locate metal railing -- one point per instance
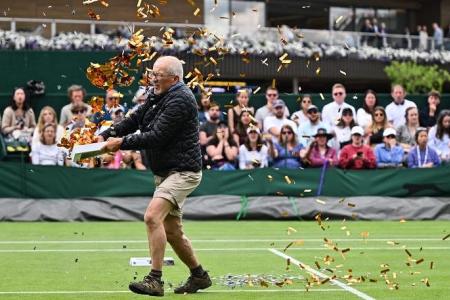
(348, 39)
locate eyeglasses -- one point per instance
(338, 94)
(287, 132)
(379, 115)
(76, 112)
(279, 107)
(272, 95)
(160, 75)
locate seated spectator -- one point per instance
(422, 155)
(132, 159)
(319, 153)
(342, 131)
(374, 132)
(357, 155)
(307, 129)
(267, 110)
(407, 132)
(112, 101)
(79, 119)
(286, 152)
(76, 95)
(253, 153)
(364, 114)
(45, 151)
(222, 150)
(332, 112)
(273, 124)
(46, 116)
(301, 116)
(395, 111)
(246, 120)
(243, 98)
(428, 115)
(112, 161)
(389, 154)
(439, 136)
(140, 97)
(208, 128)
(18, 121)
(203, 109)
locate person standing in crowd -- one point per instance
(222, 150)
(169, 131)
(374, 132)
(395, 110)
(203, 108)
(367, 28)
(245, 121)
(18, 121)
(423, 39)
(319, 152)
(243, 98)
(438, 37)
(332, 111)
(364, 114)
(76, 95)
(267, 110)
(253, 153)
(273, 124)
(383, 35)
(307, 129)
(407, 132)
(286, 153)
(357, 155)
(45, 151)
(47, 116)
(342, 131)
(439, 136)
(422, 155)
(301, 116)
(389, 154)
(428, 115)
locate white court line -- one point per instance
(279, 290)
(321, 275)
(218, 241)
(215, 249)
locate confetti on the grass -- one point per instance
(402, 221)
(365, 234)
(419, 261)
(431, 265)
(320, 201)
(407, 252)
(290, 230)
(446, 237)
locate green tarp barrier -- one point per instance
(29, 181)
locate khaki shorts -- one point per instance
(176, 187)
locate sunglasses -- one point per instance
(75, 112)
(338, 94)
(347, 114)
(391, 136)
(379, 115)
(279, 107)
(287, 132)
(313, 111)
(272, 95)
(253, 132)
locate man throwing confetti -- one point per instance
(168, 124)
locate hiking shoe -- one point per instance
(148, 286)
(193, 284)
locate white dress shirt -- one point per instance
(396, 112)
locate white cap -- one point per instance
(389, 131)
(357, 130)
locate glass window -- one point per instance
(395, 19)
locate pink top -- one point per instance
(115, 164)
(317, 159)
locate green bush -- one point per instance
(417, 78)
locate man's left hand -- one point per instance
(113, 144)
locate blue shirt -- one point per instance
(388, 157)
(413, 157)
(286, 159)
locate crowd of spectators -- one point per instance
(242, 137)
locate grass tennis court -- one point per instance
(91, 260)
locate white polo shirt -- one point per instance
(332, 112)
(396, 112)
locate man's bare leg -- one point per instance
(179, 242)
(154, 217)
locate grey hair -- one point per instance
(173, 66)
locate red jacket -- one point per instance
(349, 158)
